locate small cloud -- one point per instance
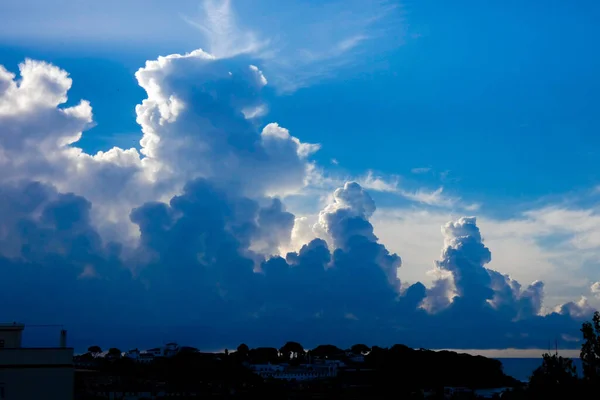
(595, 288)
(420, 170)
(255, 112)
(350, 43)
(445, 177)
(435, 198)
(570, 338)
(472, 207)
(378, 183)
(88, 272)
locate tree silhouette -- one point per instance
(326, 350)
(360, 349)
(292, 350)
(113, 352)
(555, 370)
(590, 349)
(264, 355)
(94, 350)
(556, 376)
(243, 350)
(187, 350)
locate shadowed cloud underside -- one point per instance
(190, 235)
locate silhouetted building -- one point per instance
(34, 373)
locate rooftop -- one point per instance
(12, 326)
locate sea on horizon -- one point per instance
(522, 368)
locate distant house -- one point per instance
(114, 390)
(265, 369)
(145, 357)
(303, 372)
(156, 352)
(128, 394)
(85, 361)
(356, 358)
(132, 354)
(308, 372)
(337, 363)
(491, 393)
(149, 355)
(452, 392)
(170, 349)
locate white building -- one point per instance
(303, 372)
(129, 395)
(357, 358)
(491, 393)
(156, 352)
(168, 350)
(34, 373)
(266, 370)
(450, 392)
(132, 354)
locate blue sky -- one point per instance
(501, 96)
(439, 109)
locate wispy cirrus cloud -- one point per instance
(437, 198)
(378, 183)
(312, 42)
(297, 43)
(224, 35)
(323, 181)
(420, 170)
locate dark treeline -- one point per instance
(398, 369)
(367, 373)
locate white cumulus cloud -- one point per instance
(199, 217)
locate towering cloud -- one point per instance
(472, 285)
(189, 235)
(202, 110)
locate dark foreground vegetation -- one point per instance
(398, 370)
(360, 372)
(557, 377)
